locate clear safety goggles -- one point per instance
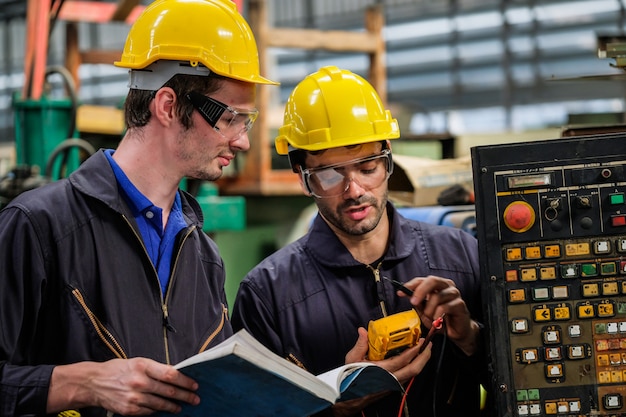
(334, 180)
(229, 122)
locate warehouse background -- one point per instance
(459, 66)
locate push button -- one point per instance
(618, 220)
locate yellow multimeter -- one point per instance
(390, 335)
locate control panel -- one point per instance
(551, 226)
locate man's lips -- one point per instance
(358, 213)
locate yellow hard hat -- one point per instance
(188, 33)
(331, 108)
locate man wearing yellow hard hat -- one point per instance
(106, 277)
(312, 300)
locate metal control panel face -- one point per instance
(551, 218)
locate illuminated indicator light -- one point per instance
(519, 216)
(617, 198)
(618, 221)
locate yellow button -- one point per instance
(548, 272)
(591, 290)
(585, 311)
(605, 310)
(533, 252)
(576, 249)
(602, 360)
(517, 295)
(562, 313)
(616, 376)
(551, 408)
(604, 377)
(552, 251)
(513, 254)
(542, 314)
(529, 274)
(610, 288)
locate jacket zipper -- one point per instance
(165, 315)
(217, 330)
(102, 331)
(376, 272)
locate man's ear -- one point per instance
(164, 103)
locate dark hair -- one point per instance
(137, 103)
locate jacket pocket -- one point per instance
(103, 333)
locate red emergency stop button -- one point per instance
(519, 216)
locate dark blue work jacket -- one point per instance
(306, 301)
(76, 284)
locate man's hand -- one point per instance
(432, 298)
(137, 386)
(404, 366)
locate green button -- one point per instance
(600, 328)
(533, 394)
(617, 198)
(589, 270)
(522, 395)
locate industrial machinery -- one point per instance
(552, 239)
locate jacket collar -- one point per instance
(324, 245)
(95, 178)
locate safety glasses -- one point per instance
(334, 180)
(227, 121)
